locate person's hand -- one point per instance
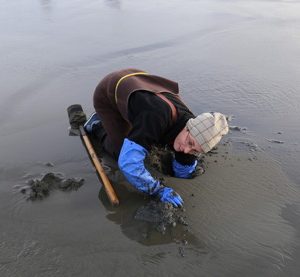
(184, 171)
(168, 195)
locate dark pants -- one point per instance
(101, 142)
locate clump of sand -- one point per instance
(40, 188)
(161, 214)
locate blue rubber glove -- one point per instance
(183, 171)
(131, 163)
(169, 195)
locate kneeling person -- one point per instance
(139, 110)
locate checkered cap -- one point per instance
(208, 129)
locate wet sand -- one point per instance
(234, 213)
(240, 58)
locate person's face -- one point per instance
(185, 142)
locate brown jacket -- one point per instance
(111, 99)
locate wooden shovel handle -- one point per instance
(107, 185)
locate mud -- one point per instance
(49, 164)
(160, 158)
(238, 128)
(275, 141)
(38, 189)
(163, 215)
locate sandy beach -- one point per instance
(241, 58)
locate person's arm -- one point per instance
(131, 163)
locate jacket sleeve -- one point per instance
(131, 163)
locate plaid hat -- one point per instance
(208, 129)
